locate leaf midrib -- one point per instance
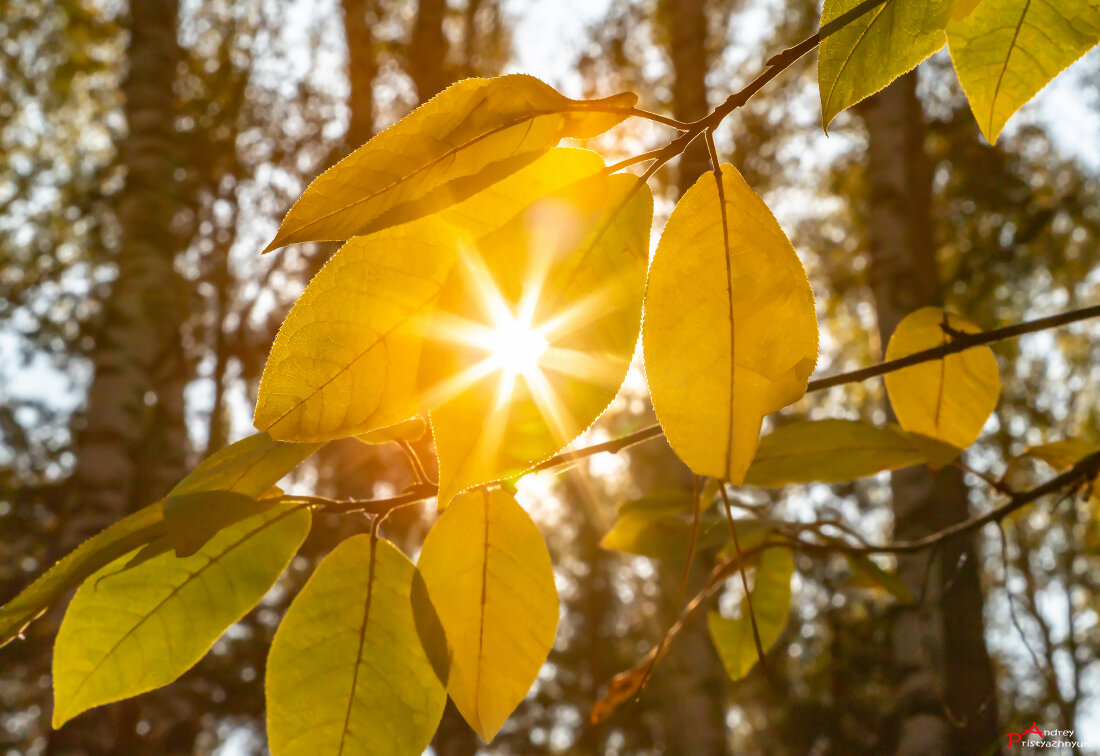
(1004, 68)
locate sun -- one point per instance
(514, 346)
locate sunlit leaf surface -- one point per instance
(1005, 51)
(535, 331)
(346, 673)
(489, 577)
(470, 135)
(248, 467)
(130, 630)
(730, 332)
(826, 451)
(867, 54)
(945, 400)
(771, 603)
(345, 360)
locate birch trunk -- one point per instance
(945, 696)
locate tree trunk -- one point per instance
(946, 701)
(428, 50)
(687, 20)
(140, 332)
(359, 18)
(130, 440)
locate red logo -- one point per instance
(1018, 737)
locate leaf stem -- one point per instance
(744, 579)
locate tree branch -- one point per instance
(565, 459)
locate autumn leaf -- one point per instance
(470, 135)
(868, 53)
(829, 451)
(488, 575)
(129, 630)
(535, 331)
(1005, 51)
(730, 333)
(946, 400)
(248, 468)
(771, 604)
(345, 360)
(1063, 454)
(659, 526)
(346, 673)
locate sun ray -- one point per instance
(599, 370)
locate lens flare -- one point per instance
(515, 346)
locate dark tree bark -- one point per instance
(687, 30)
(139, 339)
(428, 50)
(946, 696)
(360, 16)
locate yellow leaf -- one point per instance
(828, 451)
(1064, 454)
(945, 400)
(488, 575)
(867, 574)
(247, 467)
(1005, 51)
(536, 329)
(130, 629)
(464, 139)
(730, 333)
(870, 52)
(771, 604)
(345, 360)
(346, 673)
(963, 8)
(659, 526)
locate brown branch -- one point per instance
(615, 445)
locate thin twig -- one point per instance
(692, 543)
(568, 458)
(744, 579)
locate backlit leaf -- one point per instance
(945, 400)
(1005, 51)
(1064, 454)
(535, 330)
(345, 360)
(467, 137)
(828, 451)
(128, 631)
(489, 577)
(867, 574)
(114, 542)
(248, 467)
(346, 673)
(730, 332)
(771, 603)
(659, 526)
(870, 52)
(963, 8)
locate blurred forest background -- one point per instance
(147, 152)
